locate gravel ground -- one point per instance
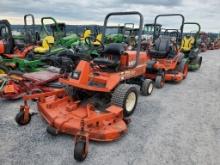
(177, 125)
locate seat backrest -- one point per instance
(114, 49)
(87, 33)
(187, 43)
(47, 41)
(98, 39)
(162, 43)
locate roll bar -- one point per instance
(198, 31)
(140, 29)
(44, 26)
(170, 15)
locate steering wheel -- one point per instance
(89, 41)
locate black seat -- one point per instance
(162, 47)
(111, 56)
(20, 44)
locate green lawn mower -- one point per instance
(190, 48)
(118, 34)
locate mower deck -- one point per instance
(17, 86)
(71, 117)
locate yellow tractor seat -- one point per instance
(99, 38)
(47, 42)
(187, 43)
(87, 33)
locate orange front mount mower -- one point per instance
(166, 62)
(98, 97)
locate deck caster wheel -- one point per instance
(19, 118)
(159, 81)
(51, 130)
(147, 87)
(80, 152)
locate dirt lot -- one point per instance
(177, 125)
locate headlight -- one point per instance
(76, 74)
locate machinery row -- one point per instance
(88, 85)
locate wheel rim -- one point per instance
(150, 88)
(130, 101)
(2, 71)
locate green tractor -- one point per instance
(119, 34)
(54, 38)
(190, 48)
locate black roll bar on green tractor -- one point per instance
(44, 26)
(198, 30)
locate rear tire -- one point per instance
(197, 60)
(147, 87)
(125, 96)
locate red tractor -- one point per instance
(166, 62)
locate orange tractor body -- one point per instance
(98, 96)
(166, 62)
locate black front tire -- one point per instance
(147, 87)
(159, 81)
(121, 96)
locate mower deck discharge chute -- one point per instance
(167, 62)
(98, 97)
(190, 48)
